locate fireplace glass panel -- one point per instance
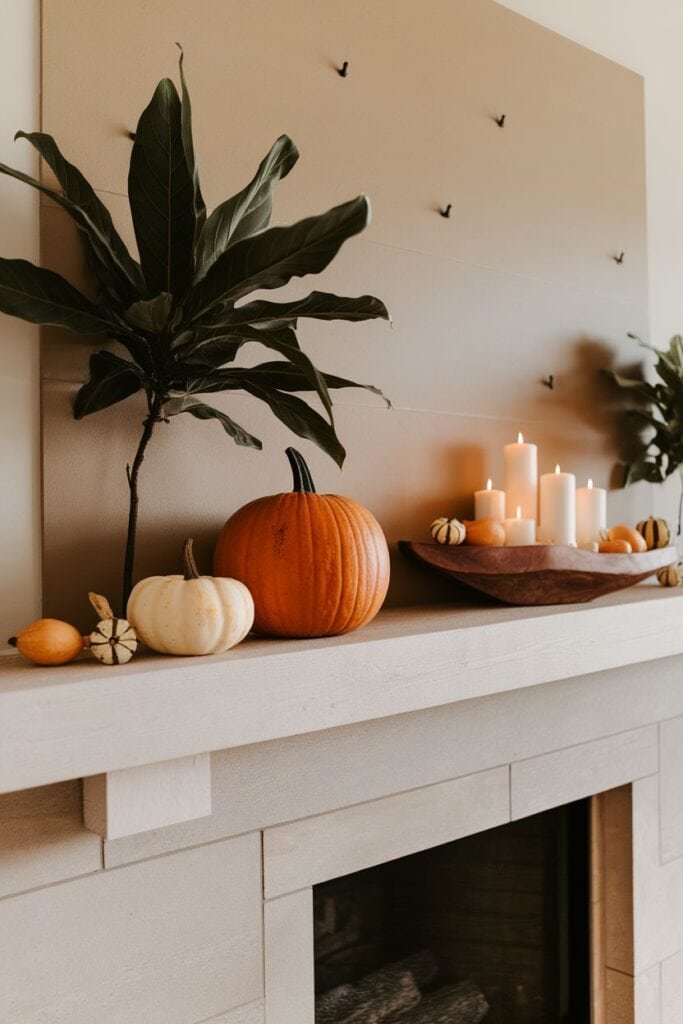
(499, 922)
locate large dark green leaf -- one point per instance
(43, 297)
(271, 258)
(176, 406)
(644, 470)
(284, 342)
(320, 305)
(112, 261)
(162, 195)
(151, 314)
(300, 418)
(247, 212)
(111, 380)
(286, 377)
(188, 146)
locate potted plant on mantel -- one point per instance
(174, 315)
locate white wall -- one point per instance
(644, 35)
(19, 356)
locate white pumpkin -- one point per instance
(190, 614)
(113, 641)
(448, 531)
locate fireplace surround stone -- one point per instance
(498, 714)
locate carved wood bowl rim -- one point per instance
(539, 574)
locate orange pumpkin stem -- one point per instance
(303, 481)
(191, 571)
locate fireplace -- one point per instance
(506, 926)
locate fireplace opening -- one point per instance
(493, 928)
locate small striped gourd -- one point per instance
(655, 532)
(448, 531)
(669, 577)
(113, 641)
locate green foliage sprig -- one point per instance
(175, 314)
(658, 408)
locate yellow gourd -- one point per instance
(48, 642)
(669, 577)
(190, 614)
(656, 532)
(488, 533)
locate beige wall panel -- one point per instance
(251, 1014)
(42, 839)
(289, 958)
(172, 941)
(672, 989)
(657, 887)
(266, 784)
(552, 195)
(671, 793)
(517, 285)
(306, 852)
(580, 771)
(648, 996)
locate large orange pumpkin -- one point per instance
(316, 564)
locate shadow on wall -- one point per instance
(591, 397)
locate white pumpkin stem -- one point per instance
(191, 571)
(101, 606)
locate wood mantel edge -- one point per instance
(85, 719)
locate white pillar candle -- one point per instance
(489, 504)
(521, 478)
(558, 507)
(519, 531)
(591, 513)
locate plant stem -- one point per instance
(133, 472)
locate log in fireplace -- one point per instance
(497, 927)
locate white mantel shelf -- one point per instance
(85, 719)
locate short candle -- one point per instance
(518, 531)
(591, 513)
(521, 478)
(558, 507)
(489, 503)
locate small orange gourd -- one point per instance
(488, 533)
(48, 642)
(631, 536)
(316, 564)
(615, 547)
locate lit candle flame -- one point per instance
(519, 512)
(520, 438)
(557, 468)
(489, 484)
(590, 485)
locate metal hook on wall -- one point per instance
(500, 121)
(549, 382)
(344, 69)
(447, 211)
(620, 258)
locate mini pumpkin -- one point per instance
(655, 532)
(48, 642)
(113, 641)
(448, 531)
(670, 576)
(615, 547)
(488, 532)
(316, 564)
(631, 536)
(190, 614)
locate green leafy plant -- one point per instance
(658, 409)
(176, 316)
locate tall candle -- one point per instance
(521, 478)
(489, 503)
(558, 507)
(591, 513)
(519, 531)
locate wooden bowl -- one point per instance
(539, 574)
